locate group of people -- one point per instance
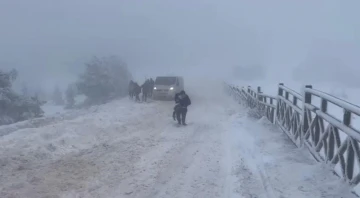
(182, 100)
(146, 89)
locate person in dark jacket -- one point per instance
(131, 89)
(145, 90)
(177, 106)
(137, 91)
(152, 85)
(184, 102)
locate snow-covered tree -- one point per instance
(41, 95)
(104, 79)
(7, 78)
(15, 107)
(119, 75)
(58, 96)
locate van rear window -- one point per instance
(165, 80)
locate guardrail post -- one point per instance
(323, 108)
(347, 118)
(324, 105)
(307, 100)
(258, 93)
(350, 151)
(248, 100)
(259, 98)
(280, 93)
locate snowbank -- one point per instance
(53, 115)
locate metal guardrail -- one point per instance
(311, 125)
(265, 104)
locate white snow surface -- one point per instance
(134, 150)
(51, 109)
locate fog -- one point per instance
(49, 41)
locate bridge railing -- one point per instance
(289, 113)
(331, 140)
(265, 104)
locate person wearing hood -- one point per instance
(184, 101)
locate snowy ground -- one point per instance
(349, 94)
(126, 149)
(50, 109)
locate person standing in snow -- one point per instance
(131, 89)
(177, 105)
(137, 91)
(184, 102)
(152, 85)
(145, 90)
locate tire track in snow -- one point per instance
(171, 176)
(199, 170)
(189, 161)
(247, 177)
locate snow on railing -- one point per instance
(329, 139)
(265, 104)
(289, 113)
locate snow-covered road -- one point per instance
(135, 151)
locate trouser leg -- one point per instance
(176, 108)
(178, 114)
(183, 115)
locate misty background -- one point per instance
(49, 41)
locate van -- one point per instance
(166, 87)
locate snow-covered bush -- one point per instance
(15, 107)
(104, 79)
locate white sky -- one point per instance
(52, 39)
